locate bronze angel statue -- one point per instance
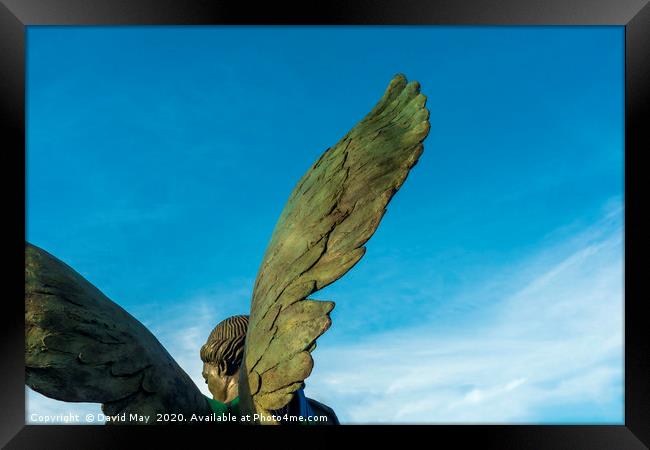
(82, 347)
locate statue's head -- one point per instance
(222, 355)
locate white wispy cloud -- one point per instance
(41, 410)
(549, 352)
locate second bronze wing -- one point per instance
(80, 346)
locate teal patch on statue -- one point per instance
(217, 407)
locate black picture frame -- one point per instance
(634, 15)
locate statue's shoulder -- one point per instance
(321, 409)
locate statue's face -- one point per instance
(222, 388)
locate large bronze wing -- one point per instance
(82, 347)
(320, 235)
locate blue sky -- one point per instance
(159, 158)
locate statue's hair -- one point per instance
(225, 345)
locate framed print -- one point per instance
(391, 218)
